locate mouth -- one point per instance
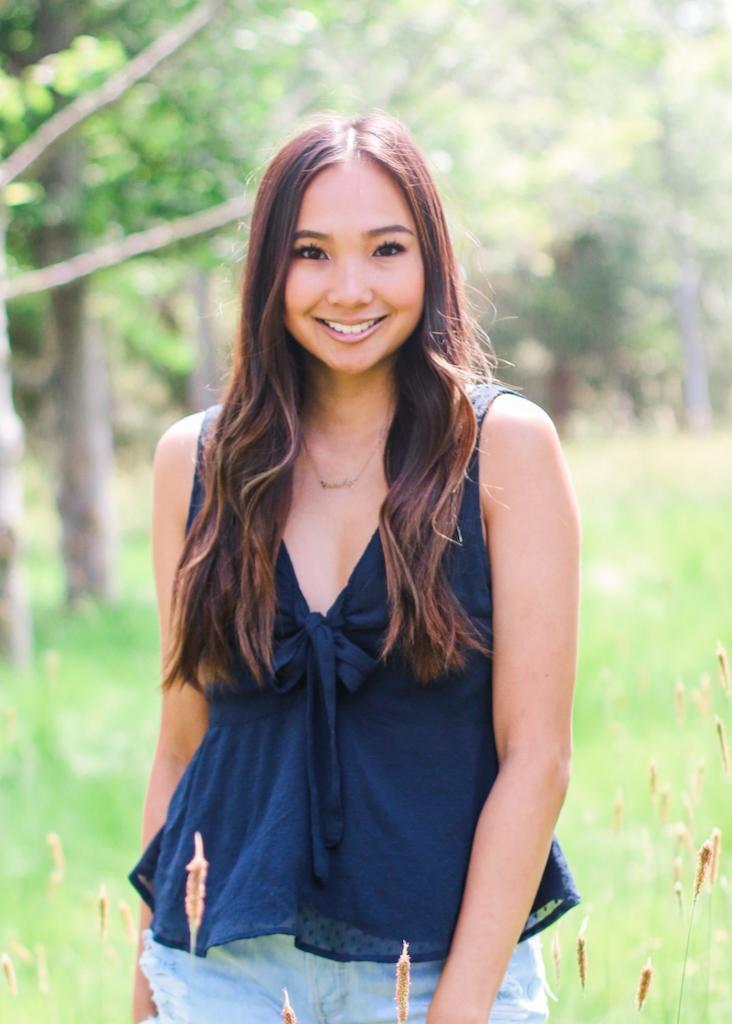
(351, 332)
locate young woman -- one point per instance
(368, 598)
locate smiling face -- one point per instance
(355, 259)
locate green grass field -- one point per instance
(77, 735)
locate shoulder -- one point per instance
(520, 457)
(174, 464)
(516, 420)
(177, 445)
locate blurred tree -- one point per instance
(84, 437)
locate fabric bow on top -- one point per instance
(316, 651)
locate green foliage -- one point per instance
(29, 98)
(84, 65)
(159, 342)
(544, 125)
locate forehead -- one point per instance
(355, 194)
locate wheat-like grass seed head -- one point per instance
(288, 1014)
(197, 869)
(111, 954)
(696, 779)
(582, 952)
(678, 867)
(716, 854)
(665, 801)
(57, 855)
(402, 983)
(127, 921)
(103, 904)
(653, 776)
(9, 972)
(556, 955)
(723, 747)
(679, 894)
(680, 702)
(21, 952)
(644, 983)
(703, 859)
(57, 851)
(724, 674)
(683, 836)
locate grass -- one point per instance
(77, 734)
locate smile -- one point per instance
(352, 331)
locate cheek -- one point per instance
(297, 294)
(291, 291)
(413, 285)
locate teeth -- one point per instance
(353, 328)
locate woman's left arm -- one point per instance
(533, 528)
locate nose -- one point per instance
(349, 285)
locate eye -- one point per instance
(392, 245)
(302, 249)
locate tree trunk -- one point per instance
(85, 449)
(81, 394)
(561, 383)
(697, 405)
(85, 438)
(15, 620)
(203, 383)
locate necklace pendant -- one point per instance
(345, 482)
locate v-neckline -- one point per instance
(375, 536)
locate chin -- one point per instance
(352, 366)
(355, 359)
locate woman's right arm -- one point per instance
(184, 711)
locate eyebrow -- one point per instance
(388, 229)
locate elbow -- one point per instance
(564, 772)
(551, 768)
(558, 767)
(555, 773)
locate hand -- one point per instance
(447, 1007)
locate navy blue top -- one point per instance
(339, 803)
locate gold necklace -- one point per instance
(347, 481)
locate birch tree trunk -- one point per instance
(83, 434)
(204, 381)
(15, 622)
(84, 455)
(697, 404)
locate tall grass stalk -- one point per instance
(197, 869)
(703, 860)
(103, 911)
(644, 984)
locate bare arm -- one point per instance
(184, 712)
(533, 527)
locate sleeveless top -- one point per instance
(339, 803)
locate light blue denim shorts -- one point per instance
(244, 981)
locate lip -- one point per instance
(352, 337)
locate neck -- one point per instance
(343, 412)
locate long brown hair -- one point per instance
(224, 592)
